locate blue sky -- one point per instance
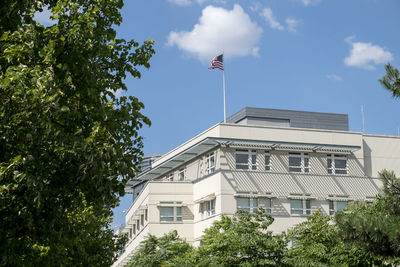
(312, 55)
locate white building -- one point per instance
(289, 162)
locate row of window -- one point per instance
(298, 162)
(209, 168)
(297, 206)
(173, 213)
(139, 224)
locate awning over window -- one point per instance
(339, 198)
(300, 197)
(171, 205)
(249, 195)
(210, 143)
(206, 198)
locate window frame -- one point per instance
(176, 216)
(267, 166)
(331, 168)
(251, 159)
(305, 207)
(333, 206)
(210, 168)
(170, 177)
(268, 205)
(251, 208)
(182, 174)
(304, 158)
(208, 207)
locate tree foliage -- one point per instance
(391, 81)
(242, 240)
(375, 227)
(163, 251)
(317, 243)
(68, 144)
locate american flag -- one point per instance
(217, 62)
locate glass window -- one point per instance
(170, 214)
(208, 207)
(268, 207)
(142, 220)
(170, 177)
(337, 164)
(267, 161)
(137, 225)
(246, 203)
(335, 206)
(182, 174)
(242, 159)
(146, 212)
(210, 163)
(299, 162)
(246, 159)
(300, 206)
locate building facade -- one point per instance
(291, 163)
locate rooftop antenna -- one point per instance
(363, 118)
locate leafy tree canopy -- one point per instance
(391, 81)
(317, 243)
(163, 251)
(68, 144)
(242, 240)
(375, 227)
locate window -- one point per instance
(208, 207)
(137, 225)
(134, 229)
(130, 233)
(267, 161)
(171, 213)
(246, 159)
(210, 163)
(268, 206)
(335, 206)
(182, 174)
(170, 177)
(300, 206)
(146, 212)
(246, 203)
(142, 220)
(299, 162)
(337, 164)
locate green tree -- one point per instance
(391, 81)
(317, 243)
(164, 251)
(375, 227)
(68, 145)
(241, 240)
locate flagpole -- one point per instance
(223, 82)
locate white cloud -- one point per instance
(255, 6)
(364, 55)
(266, 13)
(310, 2)
(219, 29)
(292, 24)
(334, 77)
(180, 2)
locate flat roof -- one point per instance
(293, 118)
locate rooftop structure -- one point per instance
(291, 163)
